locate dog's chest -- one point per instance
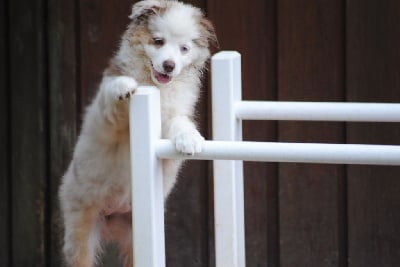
(120, 161)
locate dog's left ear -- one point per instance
(208, 36)
(142, 10)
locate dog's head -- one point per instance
(172, 35)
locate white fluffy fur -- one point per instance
(95, 193)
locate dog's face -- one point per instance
(174, 36)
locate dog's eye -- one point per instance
(184, 49)
(158, 42)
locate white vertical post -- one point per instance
(147, 186)
(228, 174)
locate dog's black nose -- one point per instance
(169, 66)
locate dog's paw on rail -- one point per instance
(189, 143)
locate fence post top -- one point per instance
(146, 90)
(226, 55)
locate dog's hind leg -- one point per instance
(82, 237)
(127, 253)
(119, 230)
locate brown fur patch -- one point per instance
(142, 13)
(84, 227)
(140, 36)
(208, 36)
(118, 228)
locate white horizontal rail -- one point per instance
(288, 152)
(317, 111)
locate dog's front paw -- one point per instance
(189, 143)
(123, 87)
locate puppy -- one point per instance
(166, 45)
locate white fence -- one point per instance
(228, 150)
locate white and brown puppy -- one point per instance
(166, 45)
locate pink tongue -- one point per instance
(162, 78)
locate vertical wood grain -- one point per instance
(310, 51)
(373, 63)
(63, 106)
(5, 226)
(29, 131)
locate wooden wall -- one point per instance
(52, 54)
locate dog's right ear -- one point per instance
(142, 10)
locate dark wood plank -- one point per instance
(186, 218)
(4, 141)
(261, 180)
(310, 36)
(249, 27)
(373, 41)
(63, 105)
(29, 134)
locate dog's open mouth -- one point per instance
(161, 77)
